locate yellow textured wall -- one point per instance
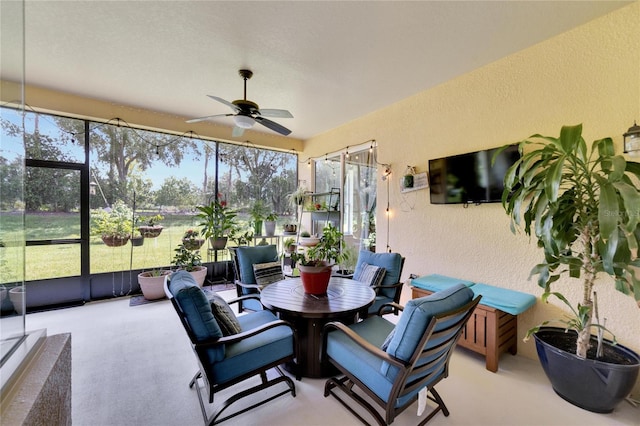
(589, 75)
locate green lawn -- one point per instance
(52, 261)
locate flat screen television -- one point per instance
(470, 178)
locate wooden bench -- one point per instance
(491, 330)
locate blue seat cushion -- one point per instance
(359, 362)
(391, 262)
(416, 317)
(436, 282)
(248, 256)
(197, 309)
(253, 352)
(507, 300)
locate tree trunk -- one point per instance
(584, 335)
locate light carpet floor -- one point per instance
(132, 366)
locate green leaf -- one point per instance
(631, 199)
(618, 167)
(605, 147)
(554, 178)
(608, 209)
(609, 252)
(570, 136)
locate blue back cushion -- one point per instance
(416, 317)
(248, 256)
(197, 309)
(391, 262)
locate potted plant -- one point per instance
(191, 240)
(583, 208)
(290, 229)
(270, 224)
(289, 245)
(152, 283)
(113, 226)
(150, 229)
(217, 222)
(258, 212)
(136, 238)
(347, 260)
(307, 240)
(190, 261)
(241, 236)
(297, 197)
(314, 262)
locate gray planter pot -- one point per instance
(594, 385)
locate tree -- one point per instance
(177, 193)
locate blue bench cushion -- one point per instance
(264, 348)
(510, 301)
(248, 256)
(507, 300)
(435, 282)
(391, 262)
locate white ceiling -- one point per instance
(326, 62)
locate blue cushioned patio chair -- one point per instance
(244, 257)
(391, 287)
(263, 343)
(416, 357)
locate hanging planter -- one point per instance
(150, 231)
(115, 240)
(137, 241)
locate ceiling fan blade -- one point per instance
(195, 120)
(237, 132)
(227, 103)
(278, 113)
(272, 125)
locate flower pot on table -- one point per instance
(315, 279)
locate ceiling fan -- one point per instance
(247, 113)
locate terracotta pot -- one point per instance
(199, 274)
(315, 279)
(150, 231)
(114, 240)
(152, 286)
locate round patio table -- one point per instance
(309, 313)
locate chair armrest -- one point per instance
(245, 285)
(245, 297)
(392, 305)
(374, 350)
(243, 335)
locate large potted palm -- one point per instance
(583, 207)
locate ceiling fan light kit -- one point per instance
(247, 113)
(243, 121)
